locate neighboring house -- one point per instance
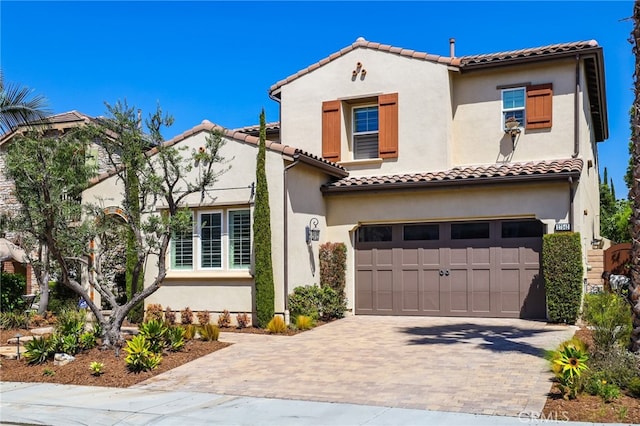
(440, 174)
(55, 125)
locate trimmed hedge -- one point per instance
(563, 272)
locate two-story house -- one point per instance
(440, 174)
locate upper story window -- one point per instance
(222, 240)
(365, 132)
(513, 105)
(373, 131)
(530, 105)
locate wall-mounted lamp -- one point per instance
(512, 128)
(312, 233)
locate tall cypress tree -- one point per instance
(265, 293)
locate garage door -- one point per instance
(478, 269)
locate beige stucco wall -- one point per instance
(215, 290)
(424, 108)
(477, 111)
(548, 202)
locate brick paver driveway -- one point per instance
(486, 366)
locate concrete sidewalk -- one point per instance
(52, 404)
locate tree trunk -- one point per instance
(634, 289)
(43, 283)
(111, 333)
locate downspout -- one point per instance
(576, 111)
(285, 232)
(571, 194)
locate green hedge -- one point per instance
(12, 287)
(563, 272)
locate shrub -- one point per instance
(189, 331)
(10, 320)
(243, 320)
(38, 350)
(333, 266)
(209, 332)
(61, 298)
(617, 366)
(634, 387)
(317, 303)
(333, 305)
(304, 322)
(186, 316)
(170, 316)
(87, 341)
(97, 368)
(12, 288)
(174, 338)
(70, 321)
(139, 355)
(276, 325)
(610, 316)
(154, 312)
(224, 319)
(597, 385)
(562, 267)
(204, 317)
(154, 332)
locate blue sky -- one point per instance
(216, 60)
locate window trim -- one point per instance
(199, 240)
(353, 109)
(504, 111)
(228, 245)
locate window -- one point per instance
(531, 105)
(521, 229)
(513, 103)
(365, 132)
(372, 233)
(182, 249)
(222, 240)
(469, 231)
(239, 239)
(374, 127)
(210, 227)
(421, 232)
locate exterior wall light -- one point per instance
(312, 233)
(512, 128)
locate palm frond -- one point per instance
(19, 106)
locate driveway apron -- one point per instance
(482, 366)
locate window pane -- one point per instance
(521, 229)
(374, 233)
(513, 99)
(517, 114)
(469, 231)
(182, 250)
(365, 146)
(239, 239)
(365, 119)
(421, 232)
(211, 240)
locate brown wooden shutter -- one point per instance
(388, 125)
(539, 106)
(331, 130)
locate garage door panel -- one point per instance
(364, 258)
(481, 256)
(384, 290)
(509, 256)
(458, 256)
(431, 257)
(364, 290)
(409, 290)
(383, 257)
(409, 257)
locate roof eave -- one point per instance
(560, 176)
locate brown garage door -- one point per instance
(480, 269)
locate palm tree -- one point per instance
(18, 106)
(634, 195)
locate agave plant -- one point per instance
(154, 331)
(139, 355)
(38, 350)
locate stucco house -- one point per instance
(440, 174)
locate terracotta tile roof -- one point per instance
(329, 167)
(275, 125)
(362, 43)
(504, 172)
(57, 120)
(530, 53)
